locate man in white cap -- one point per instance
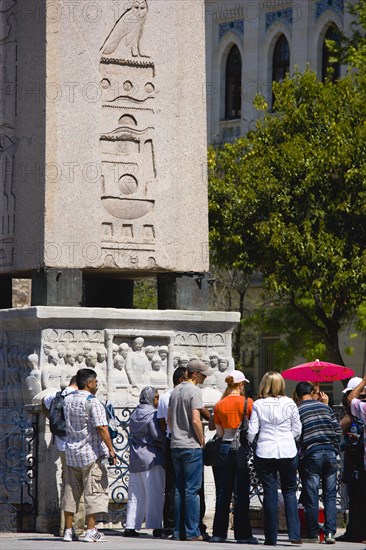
(187, 442)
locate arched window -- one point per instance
(281, 59)
(233, 84)
(331, 34)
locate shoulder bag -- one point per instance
(211, 451)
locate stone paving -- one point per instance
(115, 541)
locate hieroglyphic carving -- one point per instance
(8, 142)
(125, 36)
(129, 179)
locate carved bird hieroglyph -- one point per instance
(127, 30)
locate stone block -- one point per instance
(105, 163)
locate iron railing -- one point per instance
(18, 470)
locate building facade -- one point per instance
(251, 43)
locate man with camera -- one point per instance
(88, 447)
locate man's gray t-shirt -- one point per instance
(183, 400)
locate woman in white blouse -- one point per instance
(276, 420)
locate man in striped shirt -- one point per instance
(319, 442)
(88, 445)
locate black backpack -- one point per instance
(57, 415)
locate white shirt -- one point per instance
(163, 407)
(277, 421)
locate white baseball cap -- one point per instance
(352, 384)
(238, 376)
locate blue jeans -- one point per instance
(188, 469)
(315, 467)
(230, 479)
(267, 470)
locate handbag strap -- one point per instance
(245, 407)
(235, 442)
(244, 412)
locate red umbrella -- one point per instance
(318, 371)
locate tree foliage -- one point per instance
(351, 50)
(290, 199)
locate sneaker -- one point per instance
(296, 541)
(131, 533)
(157, 533)
(329, 538)
(70, 536)
(217, 539)
(250, 540)
(93, 535)
(196, 539)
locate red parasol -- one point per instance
(318, 371)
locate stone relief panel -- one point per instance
(152, 357)
(125, 361)
(129, 177)
(20, 378)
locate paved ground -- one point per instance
(115, 541)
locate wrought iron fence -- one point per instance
(119, 474)
(18, 470)
(19, 462)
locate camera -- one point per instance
(111, 460)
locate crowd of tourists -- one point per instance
(167, 447)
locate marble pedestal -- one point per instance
(42, 347)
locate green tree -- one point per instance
(289, 200)
(351, 50)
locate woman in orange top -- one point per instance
(229, 478)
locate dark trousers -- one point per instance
(356, 528)
(229, 480)
(268, 470)
(169, 503)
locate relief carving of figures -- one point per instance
(51, 371)
(158, 377)
(150, 352)
(31, 384)
(91, 362)
(61, 355)
(221, 373)
(137, 364)
(69, 368)
(102, 358)
(118, 375)
(184, 360)
(163, 354)
(80, 359)
(124, 39)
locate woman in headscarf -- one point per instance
(147, 477)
